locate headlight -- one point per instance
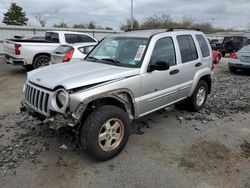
(61, 99)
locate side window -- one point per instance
(164, 51)
(85, 38)
(71, 38)
(203, 45)
(187, 48)
(86, 49)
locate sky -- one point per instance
(113, 13)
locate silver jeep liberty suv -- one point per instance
(126, 76)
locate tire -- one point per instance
(102, 121)
(193, 102)
(217, 59)
(41, 61)
(232, 69)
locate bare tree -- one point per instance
(41, 19)
(187, 21)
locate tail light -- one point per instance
(17, 49)
(233, 56)
(68, 56)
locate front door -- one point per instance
(159, 88)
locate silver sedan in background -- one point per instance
(239, 60)
(71, 53)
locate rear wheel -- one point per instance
(105, 132)
(41, 61)
(199, 96)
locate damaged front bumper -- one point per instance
(58, 120)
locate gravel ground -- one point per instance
(210, 148)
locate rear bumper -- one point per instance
(14, 61)
(239, 65)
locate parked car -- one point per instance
(216, 56)
(232, 44)
(239, 60)
(126, 76)
(33, 53)
(71, 53)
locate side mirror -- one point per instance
(159, 66)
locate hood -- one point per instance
(78, 74)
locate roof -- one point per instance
(151, 32)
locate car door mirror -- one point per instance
(159, 66)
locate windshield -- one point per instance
(120, 51)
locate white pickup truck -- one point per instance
(35, 53)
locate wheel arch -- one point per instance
(40, 54)
(121, 98)
(204, 75)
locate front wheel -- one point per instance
(105, 132)
(199, 96)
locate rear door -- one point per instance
(190, 64)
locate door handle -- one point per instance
(198, 64)
(176, 71)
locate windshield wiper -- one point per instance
(92, 58)
(113, 61)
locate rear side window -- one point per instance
(203, 45)
(52, 37)
(85, 38)
(187, 48)
(71, 38)
(86, 49)
(164, 51)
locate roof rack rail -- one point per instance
(183, 28)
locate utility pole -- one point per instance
(132, 17)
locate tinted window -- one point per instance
(86, 49)
(85, 38)
(203, 45)
(164, 51)
(71, 38)
(187, 48)
(52, 37)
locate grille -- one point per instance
(37, 99)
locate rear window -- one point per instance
(62, 49)
(234, 39)
(52, 37)
(187, 48)
(203, 45)
(245, 49)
